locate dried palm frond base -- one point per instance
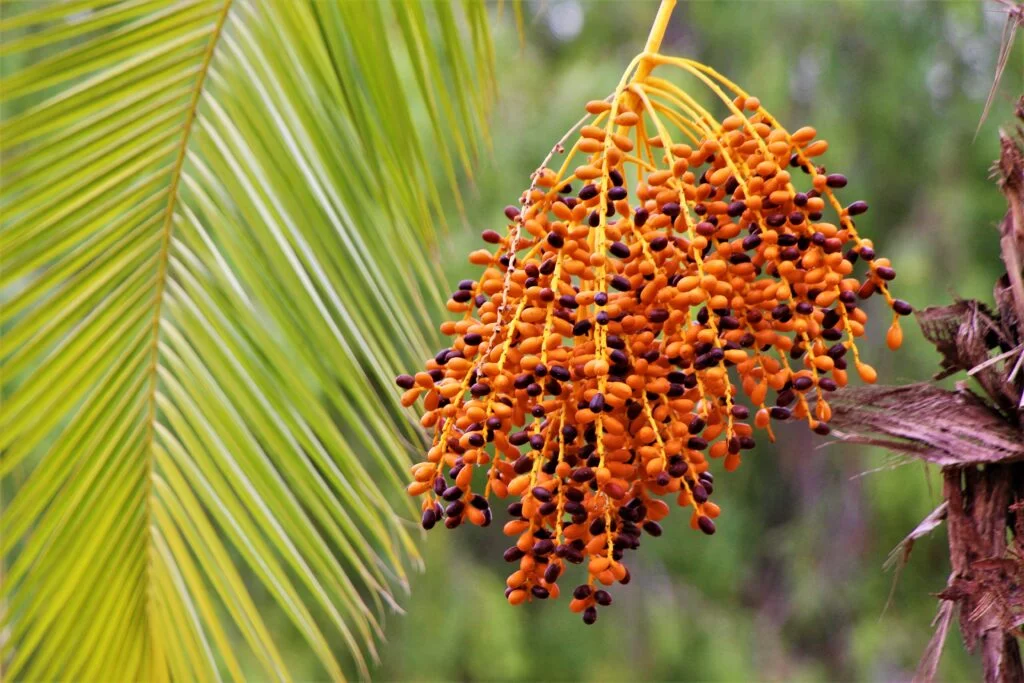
(978, 439)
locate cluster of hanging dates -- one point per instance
(679, 283)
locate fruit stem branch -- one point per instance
(656, 35)
(647, 63)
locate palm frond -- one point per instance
(215, 215)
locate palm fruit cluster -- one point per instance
(681, 282)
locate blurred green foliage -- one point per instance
(792, 586)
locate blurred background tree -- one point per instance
(791, 587)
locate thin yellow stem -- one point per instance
(654, 40)
(657, 33)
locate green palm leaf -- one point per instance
(215, 215)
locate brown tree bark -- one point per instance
(976, 433)
(977, 513)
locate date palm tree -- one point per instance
(214, 219)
